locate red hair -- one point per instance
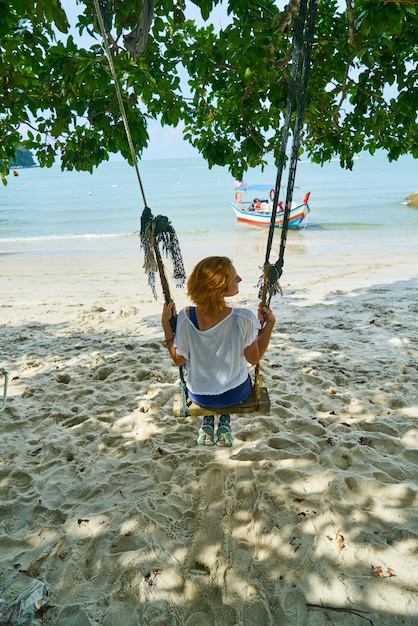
(208, 283)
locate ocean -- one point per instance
(49, 212)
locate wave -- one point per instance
(66, 237)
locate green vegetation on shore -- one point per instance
(23, 158)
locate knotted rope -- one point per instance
(301, 62)
(154, 230)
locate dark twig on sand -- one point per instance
(357, 612)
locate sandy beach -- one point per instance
(311, 518)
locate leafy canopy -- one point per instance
(227, 85)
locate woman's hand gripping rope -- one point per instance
(168, 316)
(267, 320)
(169, 311)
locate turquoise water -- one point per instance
(48, 211)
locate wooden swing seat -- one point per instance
(248, 406)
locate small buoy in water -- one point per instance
(15, 173)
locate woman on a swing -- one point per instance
(216, 341)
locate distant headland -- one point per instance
(23, 158)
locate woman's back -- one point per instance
(215, 356)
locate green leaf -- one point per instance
(226, 82)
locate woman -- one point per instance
(216, 341)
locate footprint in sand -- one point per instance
(256, 614)
(245, 503)
(250, 434)
(214, 491)
(293, 605)
(246, 497)
(283, 412)
(158, 614)
(201, 618)
(411, 456)
(203, 556)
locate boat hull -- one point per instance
(297, 216)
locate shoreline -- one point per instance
(305, 270)
(108, 500)
(315, 237)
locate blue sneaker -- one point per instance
(207, 431)
(223, 433)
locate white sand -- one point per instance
(315, 503)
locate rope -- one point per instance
(184, 412)
(303, 88)
(269, 282)
(119, 97)
(272, 273)
(296, 56)
(6, 382)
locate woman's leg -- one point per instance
(207, 431)
(224, 432)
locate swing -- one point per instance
(156, 231)
(258, 400)
(249, 405)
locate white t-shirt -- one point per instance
(215, 357)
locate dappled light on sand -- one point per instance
(107, 500)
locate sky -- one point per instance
(165, 141)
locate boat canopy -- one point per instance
(256, 187)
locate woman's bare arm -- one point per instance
(255, 351)
(169, 311)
